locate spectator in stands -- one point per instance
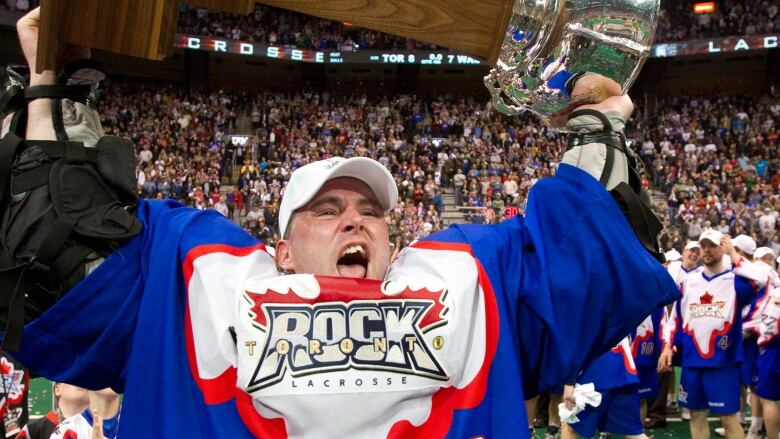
(221, 206)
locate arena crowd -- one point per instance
(269, 25)
(731, 17)
(709, 161)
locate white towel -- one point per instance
(584, 394)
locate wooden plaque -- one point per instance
(146, 28)
(472, 27)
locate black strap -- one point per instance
(595, 113)
(15, 97)
(72, 151)
(78, 93)
(608, 163)
(57, 122)
(50, 246)
(75, 153)
(613, 140)
(31, 179)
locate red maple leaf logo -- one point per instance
(706, 298)
(346, 290)
(6, 368)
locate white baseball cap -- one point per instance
(745, 243)
(672, 255)
(692, 244)
(711, 235)
(763, 251)
(307, 180)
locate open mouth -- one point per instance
(353, 262)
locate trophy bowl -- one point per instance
(548, 41)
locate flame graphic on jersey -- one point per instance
(331, 292)
(712, 323)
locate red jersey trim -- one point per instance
(223, 387)
(447, 400)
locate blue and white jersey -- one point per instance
(668, 319)
(193, 323)
(706, 323)
(751, 312)
(765, 320)
(646, 340)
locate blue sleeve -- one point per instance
(586, 275)
(746, 290)
(573, 276)
(86, 338)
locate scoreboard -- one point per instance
(443, 58)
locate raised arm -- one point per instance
(39, 123)
(66, 191)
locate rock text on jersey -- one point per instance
(382, 335)
(707, 308)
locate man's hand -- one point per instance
(728, 249)
(594, 91)
(665, 359)
(97, 426)
(594, 88)
(28, 28)
(568, 396)
(39, 124)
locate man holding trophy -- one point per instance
(209, 335)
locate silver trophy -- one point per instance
(548, 41)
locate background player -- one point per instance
(68, 401)
(98, 421)
(707, 322)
